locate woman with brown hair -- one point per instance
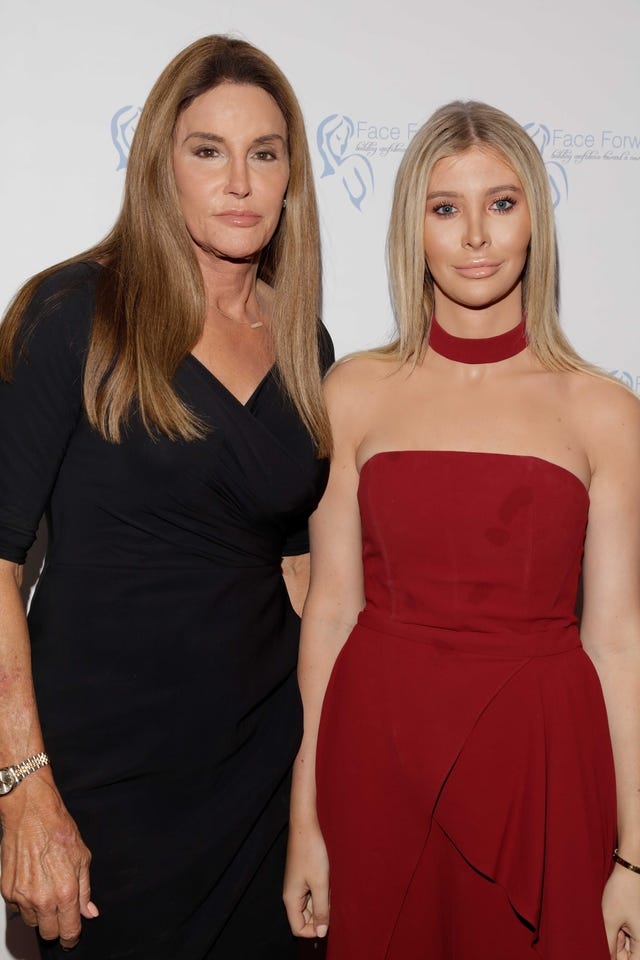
(160, 399)
(466, 804)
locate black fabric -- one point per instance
(164, 645)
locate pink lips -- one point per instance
(479, 270)
(239, 218)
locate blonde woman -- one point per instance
(466, 804)
(161, 400)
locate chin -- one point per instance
(241, 253)
(482, 297)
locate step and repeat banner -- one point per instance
(75, 74)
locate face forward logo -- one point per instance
(558, 179)
(123, 127)
(334, 137)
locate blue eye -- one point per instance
(503, 204)
(444, 209)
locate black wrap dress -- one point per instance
(164, 644)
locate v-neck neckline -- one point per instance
(205, 369)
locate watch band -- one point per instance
(11, 776)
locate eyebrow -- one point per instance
(216, 138)
(511, 187)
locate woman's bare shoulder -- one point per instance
(607, 412)
(359, 371)
(602, 396)
(355, 387)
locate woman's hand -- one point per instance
(306, 882)
(45, 864)
(621, 909)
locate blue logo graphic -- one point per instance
(123, 127)
(557, 174)
(355, 171)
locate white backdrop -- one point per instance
(75, 72)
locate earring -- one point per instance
(284, 202)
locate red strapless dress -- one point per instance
(465, 775)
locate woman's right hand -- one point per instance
(306, 881)
(45, 864)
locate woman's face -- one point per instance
(231, 166)
(477, 229)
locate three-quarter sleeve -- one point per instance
(40, 406)
(297, 540)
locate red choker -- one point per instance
(477, 349)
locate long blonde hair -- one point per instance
(150, 300)
(452, 129)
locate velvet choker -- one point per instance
(477, 349)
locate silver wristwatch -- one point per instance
(10, 777)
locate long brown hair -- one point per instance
(150, 300)
(452, 129)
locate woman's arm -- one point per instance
(611, 632)
(45, 865)
(44, 862)
(336, 596)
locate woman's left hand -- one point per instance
(621, 909)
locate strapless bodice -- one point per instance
(478, 543)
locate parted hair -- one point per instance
(452, 129)
(150, 298)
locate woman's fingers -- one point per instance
(300, 915)
(45, 868)
(48, 926)
(306, 885)
(69, 925)
(308, 914)
(88, 908)
(320, 912)
(28, 914)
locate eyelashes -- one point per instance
(212, 153)
(501, 205)
(444, 209)
(207, 153)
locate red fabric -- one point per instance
(478, 349)
(463, 703)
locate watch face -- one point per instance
(8, 780)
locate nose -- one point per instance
(476, 231)
(238, 182)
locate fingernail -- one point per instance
(321, 931)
